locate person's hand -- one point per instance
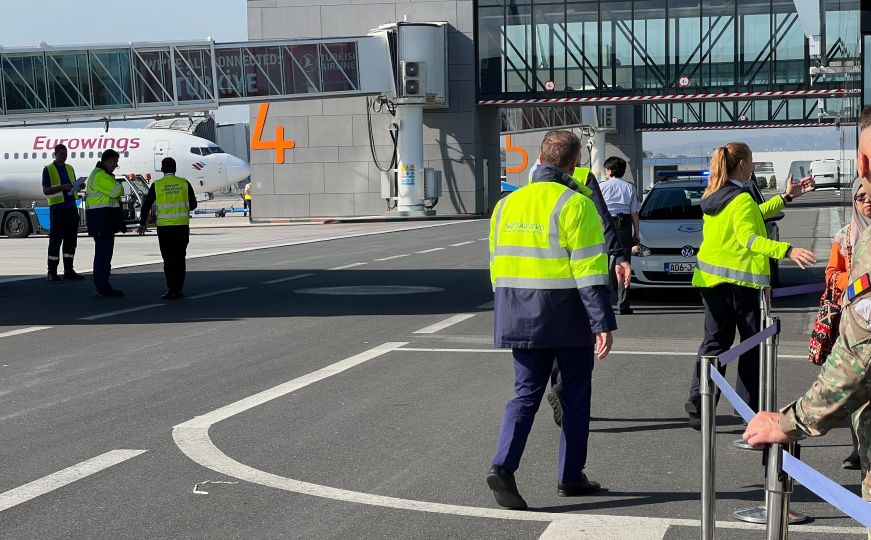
(624, 273)
(604, 341)
(802, 257)
(142, 230)
(797, 189)
(764, 429)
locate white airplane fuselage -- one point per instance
(24, 153)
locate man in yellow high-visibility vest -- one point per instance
(173, 199)
(549, 270)
(59, 187)
(104, 218)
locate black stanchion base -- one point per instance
(742, 444)
(759, 514)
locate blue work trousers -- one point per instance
(104, 247)
(532, 369)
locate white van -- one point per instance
(826, 173)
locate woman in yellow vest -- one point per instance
(173, 199)
(734, 262)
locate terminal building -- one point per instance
(510, 54)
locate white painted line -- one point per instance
(260, 398)
(463, 243)
(49, 483)
(486, 305)
(119, 312)
(27, 330)
(570, 529)
(215, 293)
(441, 325)
(192, 438)
(630, 353)
(393, 257)
(834, 222)
(485, 239)
(290, 278)
(429, 250)
(268, 246)
(352, 265)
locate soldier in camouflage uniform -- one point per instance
(843, 387)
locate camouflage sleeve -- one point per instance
(841, 388)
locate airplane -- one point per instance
(24, 152)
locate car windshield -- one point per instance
(682, 203)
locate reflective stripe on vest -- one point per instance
(730, 273)
(54, 181)
(171, 201)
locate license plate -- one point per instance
(679, 268)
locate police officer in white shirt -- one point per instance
(622, 201)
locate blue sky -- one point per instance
(65, 22)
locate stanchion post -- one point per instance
(709, 424)
(778, 486)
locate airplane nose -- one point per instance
(237, 169)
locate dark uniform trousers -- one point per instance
(728, 306)
(64, 231)
(624, 232)
(173, 240)
(532, 369)
(104, 247)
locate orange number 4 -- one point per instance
(280, 144)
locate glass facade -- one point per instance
(742, 113)
(169, 77)
(582, 48)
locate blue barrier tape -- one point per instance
(743, 409)
(747, 344)
(834, 494)
(831, 492)
(795, 290)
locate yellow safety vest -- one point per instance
(580, 175)
(735, 246)
(171, 202)
(103, 190)
(547, 236)
(54, 179)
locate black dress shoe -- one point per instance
(110, 293)
(505, 489)
(73, 276)
(693, 409)
(584, 486)
(852, 462)
(53, 277)
(557, 406)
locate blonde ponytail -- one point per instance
(724, 162)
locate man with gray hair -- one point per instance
(549, 272)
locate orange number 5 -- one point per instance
(524, 161)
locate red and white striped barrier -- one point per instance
(690, 127)
(678, 97)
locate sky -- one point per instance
(76, 22)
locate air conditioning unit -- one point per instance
(413, 81)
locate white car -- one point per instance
(671, 231)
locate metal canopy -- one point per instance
(150, 79)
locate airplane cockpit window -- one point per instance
(216, 150)
(196, 151)
(207, 150)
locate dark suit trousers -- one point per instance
(532, 369)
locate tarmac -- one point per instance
(339, 381)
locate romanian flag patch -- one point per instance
(858, 287)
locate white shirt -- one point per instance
(619, 196)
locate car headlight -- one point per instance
(640, 251)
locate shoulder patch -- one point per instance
(859, 287)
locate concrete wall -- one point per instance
(331, 172)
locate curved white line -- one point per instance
(192, 438)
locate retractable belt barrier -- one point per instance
(779, 460)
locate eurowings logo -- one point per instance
(199, 165)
